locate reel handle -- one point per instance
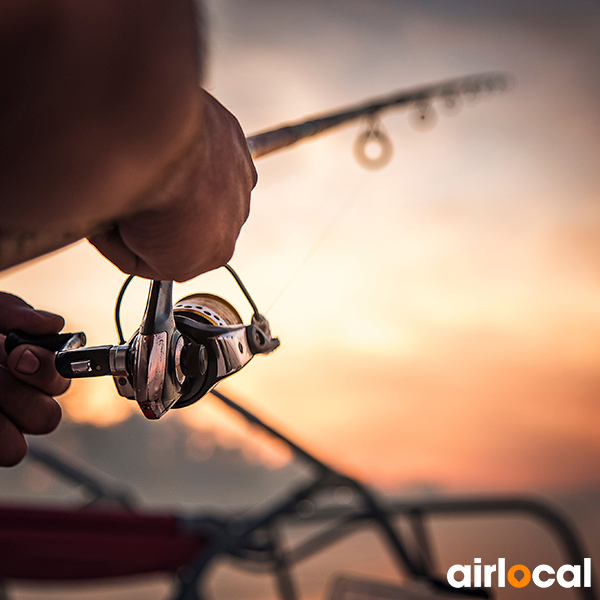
(72, 360)
(53, 342)
(84, 362)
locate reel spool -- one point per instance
(216, 343)
(214, 310)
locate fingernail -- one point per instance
(28, 364)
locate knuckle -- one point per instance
(13, 446)
(54, 384)
(61, 386)
(185, 275)
(225, 251)
(45, 418)
(11, 457)
(183, 270)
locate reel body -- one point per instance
(178, 354)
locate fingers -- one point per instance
(35, 366)
(28, 379)
(110, 244)
(17, 314)
(13, 446)
(195, 228)
(29, 409)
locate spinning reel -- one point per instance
(178, 354)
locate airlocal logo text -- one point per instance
(478, 575)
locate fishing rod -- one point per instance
(180, 352)
(421, 99)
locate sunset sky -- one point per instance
(447, 330)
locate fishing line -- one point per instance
(333, 224)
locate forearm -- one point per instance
(99, 101)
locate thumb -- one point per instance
(35, 366)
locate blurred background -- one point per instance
(439, 318)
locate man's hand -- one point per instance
(28, 380)
(195, 229)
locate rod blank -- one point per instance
(272, 140)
